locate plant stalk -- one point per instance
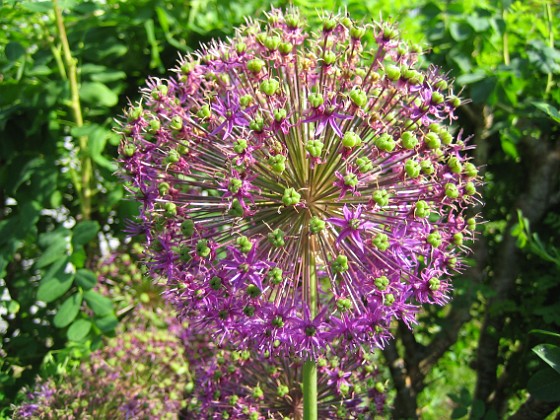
(83, 188)
(310, 365)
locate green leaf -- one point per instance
(68, 311)
(55, 287)
(466, 79)
(14, 50)
(79, 329)
(99, 304)
(545, 385)
(57, 247)
(459, 412)
(84, 232)
(548, 109)
(550, 354)
(98, 94)
(107, 323)
(545, 333)
(86, 279)
(460, 31)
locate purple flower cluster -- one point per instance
(140, 374)
(299, 187)
(233, 384)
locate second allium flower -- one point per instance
(300, 189)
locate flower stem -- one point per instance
(310, 365)
(310, 390)
(83, 188)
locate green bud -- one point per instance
(434, 239)
(240, 146)
(135, 113)
(392, 72)
(292, 21)
(202, 248)
(329, 57)
(454, 101)
(160, 91)
(249, 310)
(451, 190)
(351, 140)
(276, 238)
(245, 101)
(278, 322)
(187, 228)
(388, 299)
(272, 42)
(314, 147)
(269, 86)
(236, 209)
(340, 264)
(437, 98)
(357, 32)
(422, 209)
(258, 392)
(427, 167)
(154, 125)
(379, 387)
(441, 85)
(277, 163)
(434, 284)
(129, 150)
(275, 275)
(233, 399)
(446, 137)
(255, 65)
(285, 48)
(170, 209)
(344, 388)
(234, 185)
(458, 239)
(163, 188)
(381, 197)
(328, 24)
(343, 304)
(257, 124)
(240, 47)
(358, 97)
(216, 283)
(471, 224)
(253, 291)
(385, 142)
(316, 225)
(381, 241)
(470, 189)
(364, 164)
(280, 115)
(351, 179)
(470, 170)
(282, 391)
(176, 123)
(409, 140)
(412, 168)
(316, 100)
(291, 197)
(381, 283)
(204, 112)
(244, 244)
(173, 156)
(455, 165)
(432, 141)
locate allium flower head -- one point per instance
(298, 186)
(233, 384)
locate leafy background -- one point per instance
(64, 77)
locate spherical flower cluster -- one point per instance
(233, 384)
(298, 187)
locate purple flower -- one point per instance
(304, 173)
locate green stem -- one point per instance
(84, 187)
(549, 20)
(310, 390)
(310, 365)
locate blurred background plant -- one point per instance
(67, 69)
